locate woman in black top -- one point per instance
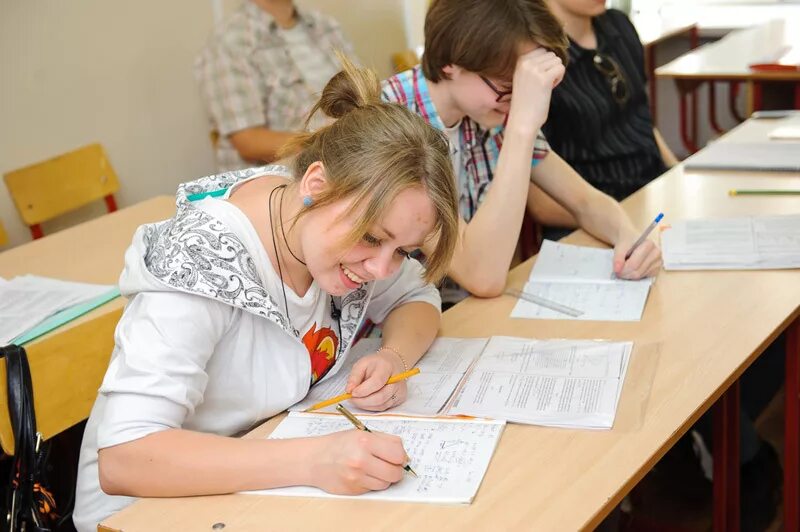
(599, 119)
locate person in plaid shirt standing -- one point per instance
(261, 73)
(477, 54)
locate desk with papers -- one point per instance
(698, 347)
(68, 364)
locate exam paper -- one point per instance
(581, 278)
(449, 455)
(27, 300)
(755, 242)
(563, 383)
(441, 369)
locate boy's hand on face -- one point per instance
(536, 75)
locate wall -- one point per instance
(120, 73)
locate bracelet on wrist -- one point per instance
(396, 352)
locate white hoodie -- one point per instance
(202, 345)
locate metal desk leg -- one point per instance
(791, 453)
(688, 89)
(712, 107)
(726, 461)
(733, 93)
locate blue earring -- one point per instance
(308, 201)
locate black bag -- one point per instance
(29, 506)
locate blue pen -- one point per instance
(644, 235)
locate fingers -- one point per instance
(619, 258)
(386, 397)
(357, 375)
(388, 448)
(645, 261)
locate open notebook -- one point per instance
(449, 455)
(558, 383)
(581, 278)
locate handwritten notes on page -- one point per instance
(581, 278)
(441, 369)
(564, 383)
(449, 455)
(742, 243)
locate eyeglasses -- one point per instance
(500, 94)
(613, 74)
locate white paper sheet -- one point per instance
(441, 369)
(769, 156)
(558, 383)
(764, 242)
(450, 456)
(581, 278)
(27, 300)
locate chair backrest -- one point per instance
(46, 190)
(404, 60)
(3, 235)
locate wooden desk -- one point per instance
(3, 235)
(653, 30)
(729, 60)
(699, 332)
(68, 364)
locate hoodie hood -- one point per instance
(196, 253)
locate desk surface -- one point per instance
(730, 57)
(699, 331)
(69, 362)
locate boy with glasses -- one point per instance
(478, 53)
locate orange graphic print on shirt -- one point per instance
(322, 346)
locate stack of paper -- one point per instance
(788, 129)
(560, 383)
(28, 301)
(758, 156)
(449, 455)
(747, 243)
(583, 279)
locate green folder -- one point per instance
(65, 316)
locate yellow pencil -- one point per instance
(345, 396)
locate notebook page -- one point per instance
(621, 301)
(449, 455)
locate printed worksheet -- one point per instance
(441, 369)
(558, 382)
(753, 242)
(27, 300)
(449, 455)
(582, 279)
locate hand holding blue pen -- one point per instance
(644, 236)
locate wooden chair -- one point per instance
(3, 235)
(404, 60)
(46, 190)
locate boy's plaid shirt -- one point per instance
(480, 147)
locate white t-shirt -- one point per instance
(184, 361)
(310, 314)
(454, 139)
